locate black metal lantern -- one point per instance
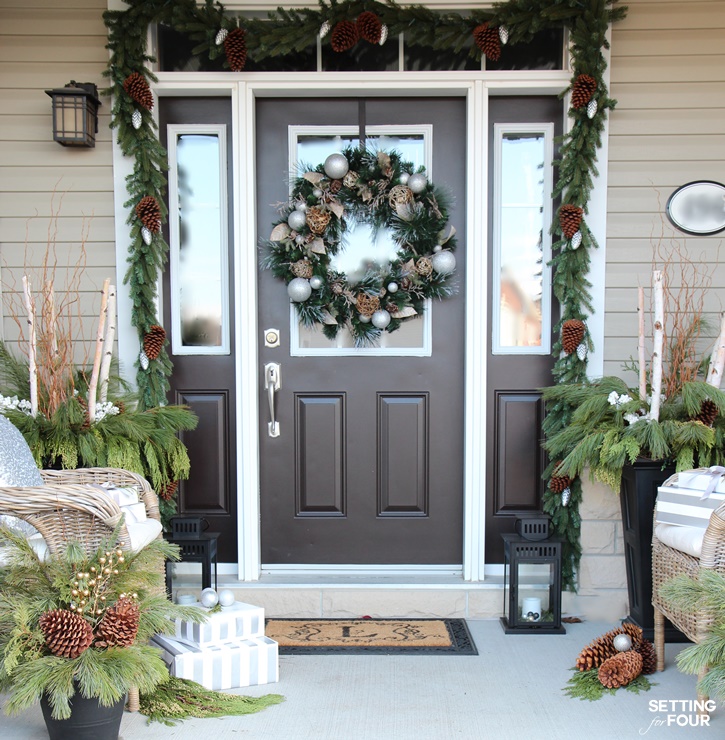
(532, 586)
(75, 114)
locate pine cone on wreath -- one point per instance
(572, 333)
(335, 186)
(620, 669)
(137, 88)
(153, 341)
(708, 412)
(582, 90)
(570, 218)
(66, 633)
(168, 491)
(594, 654)
(367, 304)
(235, 48)
(391, 308)
(149, 213)
(337, 288)
(649, 657)
(405, 283)
(369, 27)
(344, 36)
(119, 625)
(488, 41)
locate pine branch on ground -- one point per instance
(585, 685)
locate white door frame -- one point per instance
(243, 89)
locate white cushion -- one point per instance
(17, 467)
(684, 539)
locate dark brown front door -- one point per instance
(368, 465)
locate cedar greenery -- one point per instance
(585, 685)
(287, 31)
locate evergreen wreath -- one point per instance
(377, 188)
(288, 31)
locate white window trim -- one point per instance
(173, 131)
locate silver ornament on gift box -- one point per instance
(146, 235)
(622, 643)
(383, 34)
(336, 166)
(381, 318)
(226, 597)
(444, 263)
(576, 240)
(503, 34)
(316, 282)
(324, 29)
(143, 360)
(296, 220)
(417, 182)
(299, 289)
(565, 496)
(581, 352)
(209, 598)
(592, 108)
(221, 36)
(392, 287)
(136, 119)
(404, 177)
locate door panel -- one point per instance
(368, 467)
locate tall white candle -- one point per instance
(531, 605)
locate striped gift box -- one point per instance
(238, 621)
(228, 665)
(688, 498)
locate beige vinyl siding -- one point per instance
(45, 44)
(668, 76)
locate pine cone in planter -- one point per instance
(708, 413)
(488, 41)
(138, 90)
(66, 633)
(119, 625)
(620, 669)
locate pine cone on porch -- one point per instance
(149, 213)
(488, 41)
(582, 90)
(370, 27)
(649, 657)
(570, 218)
(620, 669)
(119, 625)
(138, 90)
(594, 654)
(66, 633)
(235, 48)
(153, 341)
(708, 413)
(367, 304)
(344, 36)
(572, 333)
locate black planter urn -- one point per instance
(89, 720)
(638, 495)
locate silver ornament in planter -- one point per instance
(296, 220)
(336, 166)
(299, 289)
(418, 182)
(381, 318)
(444, 262)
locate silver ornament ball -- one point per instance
(209, 597)
(418, 182)
(299, 239)
(226, 597)
(317, 193)
(336, 166)
(622, 643)
(296, 220)
(437, 248)
(301, 207)
(316, 282)
(392, 287)
(404, 177)
(444, 263)
(381, 319)
(299, 289)
(364, 319)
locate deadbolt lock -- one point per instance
(271, 337)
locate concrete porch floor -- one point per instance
(511, 690)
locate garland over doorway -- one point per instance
(342, 25)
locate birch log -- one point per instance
(93, 385)
(658, 336)
(108, 344)
(640, 347)
(717, 360)
(32, 366)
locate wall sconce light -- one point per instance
(75, 114)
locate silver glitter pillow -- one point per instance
(17, 467)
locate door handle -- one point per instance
(272, 384)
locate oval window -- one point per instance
(698, 208)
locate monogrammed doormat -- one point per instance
(383, 636)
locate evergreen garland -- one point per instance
(294, 30)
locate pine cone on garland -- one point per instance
(369, 27)
(66, 633)
(570, 218)
(558, 483)
(582, 90)
(594, 654)
(153, 341)
(572, 333)
(344, 36)
(649, 657)
(119, 625)
(138, 90)
(169, 490)
(620, 669)
(149, 213)
(488, 41)
(708, 412)
(235, 48)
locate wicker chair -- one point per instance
(66, 509)
(668, 563)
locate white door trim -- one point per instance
(244, 89)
